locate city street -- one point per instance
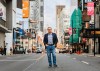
(38, 62)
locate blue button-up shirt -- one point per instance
(50, 39)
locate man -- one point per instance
(50, 42)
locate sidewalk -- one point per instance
(87, 54)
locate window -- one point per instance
(41, 11)
(86, 1)
(41, 0)
(41, 25)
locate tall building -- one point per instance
(59, 9)
(74, 5)
(64, 24)
(12, 39)
(88, 22)
(39, 14)
(6, 20)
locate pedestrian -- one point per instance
(11, 51)
(70, 50)
(50, 42)
(4, 50)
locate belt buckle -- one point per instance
(50, 44)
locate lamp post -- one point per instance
(96, 3)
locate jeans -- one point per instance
(51, 51)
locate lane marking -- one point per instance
(17, 60)
(85, 62)
(34, 62)
(29, 66)
(74, 58)
(23, 59)
(15, 56)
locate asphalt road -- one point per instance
(38, 62)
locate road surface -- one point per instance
(38, 62)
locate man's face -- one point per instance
(49, 30)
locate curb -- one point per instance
(89, 55)
(92, 55)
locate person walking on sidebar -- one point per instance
(50, 42)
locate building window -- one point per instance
(86, 1)
(41, 0)
(41, 25)
(41, 11)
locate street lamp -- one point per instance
(96, 3)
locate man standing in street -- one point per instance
(50, 42)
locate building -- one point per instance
(64, 24)
(90, 23)
(6, 20)
(39, 15)
(59, 9)
(73, 5)
(12, 39)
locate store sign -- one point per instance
(25, 8)
(2, 11)
(70, 30)
(96, 32)
(89, 33)
(90, 8)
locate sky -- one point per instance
(50, 11)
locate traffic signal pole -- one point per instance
(94, 28)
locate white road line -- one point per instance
(34, 63)
(17, 57)
(23, 59)
(18, 60)
(85, 62)
(74, 58)
(29, 66)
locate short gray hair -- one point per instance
(49, 27)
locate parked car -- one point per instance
(63, 50)
(39, 50)
(19, 50)
(1, 51)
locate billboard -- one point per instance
(90, 8)
(25, 8)
(2, 11)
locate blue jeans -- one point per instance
(51, 51)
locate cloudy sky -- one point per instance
(50, 11)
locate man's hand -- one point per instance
(46, 45)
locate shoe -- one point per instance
(50, 66)
(55, 65)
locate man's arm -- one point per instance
(56, 40)
(44, 39)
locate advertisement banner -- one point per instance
(70, 30)
(2, 11)
(90, 8)
(25, 8)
